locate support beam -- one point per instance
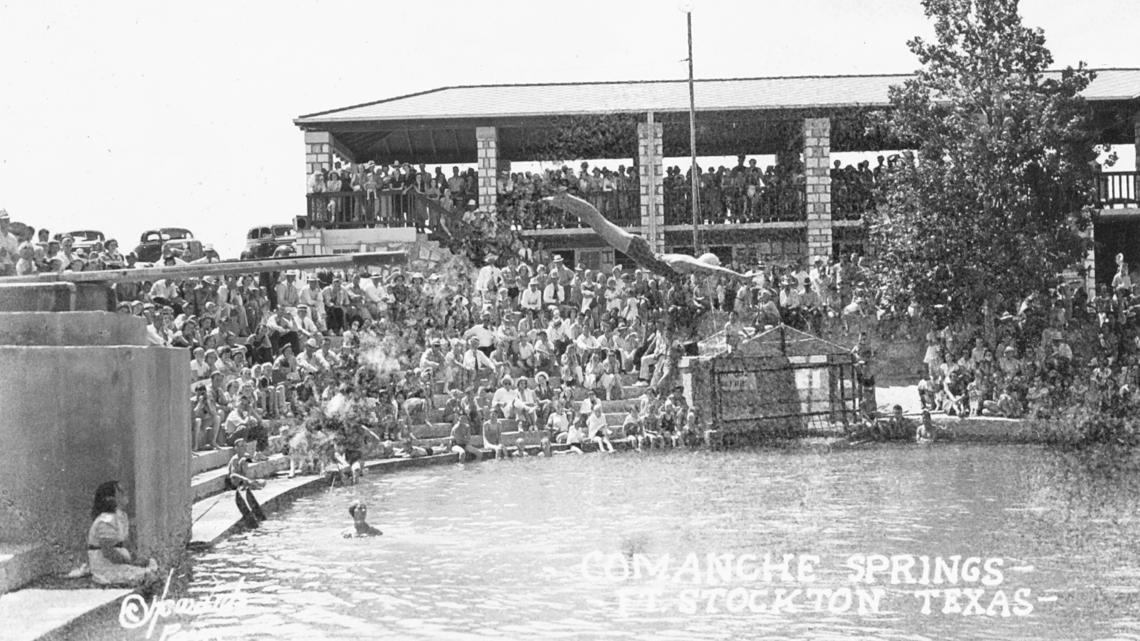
(198, 270)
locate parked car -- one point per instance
(262, 241)
(149, 249)
(187, 249)
(84, 239)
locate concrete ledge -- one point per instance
(22, 563)
(989, 429)
(34, 615)
(216, 517)
(37, 297)
(83, 329)
(209, 460)
(213, 481)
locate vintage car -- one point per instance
(262, 241)
(84, 239)
(185, 249)
(149, 249)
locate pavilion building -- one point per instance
(799, 121)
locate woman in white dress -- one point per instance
(108, 558)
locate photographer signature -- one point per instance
(135, 612)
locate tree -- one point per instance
(991, 204)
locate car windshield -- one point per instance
(86, 235)
(176, 234)
(283, 230)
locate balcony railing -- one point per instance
(1118, 189)
(622, 207)
(784, 203)
(389, 208)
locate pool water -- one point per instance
(539, 548)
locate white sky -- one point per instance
(122, 116)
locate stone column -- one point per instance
(817, 186)
(487, 148)
(651, 181)
(318, 151)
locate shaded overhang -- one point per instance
(739, 115)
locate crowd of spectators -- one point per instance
(25, 251)
(542, 343)
(1051, 353)
(613, 192)
(744, 194)
(354, 193)
(856, 189)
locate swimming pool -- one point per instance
(547, 549)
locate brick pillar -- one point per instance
(487, 148)
(817, 185)
(318, 151)
(651, 182)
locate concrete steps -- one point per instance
(211, 482)
(22, 563)
(209, 460)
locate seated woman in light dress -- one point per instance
(107, 555)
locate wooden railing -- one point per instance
(1118, 189)
(786, 203)
(388, 208)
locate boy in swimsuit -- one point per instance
(461, 440)
(238, 480)
(360, 527)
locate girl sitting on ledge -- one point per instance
(107, 555)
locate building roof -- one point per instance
(538, 100)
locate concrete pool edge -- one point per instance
(217, 518)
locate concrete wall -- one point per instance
(71, 328)
(314, 242)
(75, 416)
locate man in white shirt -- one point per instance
(282, 329)
(553, 293)
(530, 300)
(556, 333)
(287, 294)
(375, 294)
(483, 334)
(314, 298)
(488, 278)
(309, 361)
(165, 289)
(305, 325)
(476, 365)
